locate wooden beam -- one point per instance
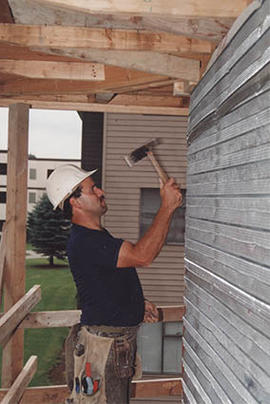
(117, 79)
(210, 29)
(140, 388)
(157, 388)
(16, 391)
(100, 38)
(151, 62)
(3, 247)
(53, 70)
(95, 107)
(159, 8)
(46, 319)
(180, 88)
(16, 211)
(17, 313)
(145, 100)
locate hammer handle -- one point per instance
(162, 175)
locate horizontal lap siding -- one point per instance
(163, 281)
(227, 246)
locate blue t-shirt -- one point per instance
(108, 295)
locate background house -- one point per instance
(38, 171)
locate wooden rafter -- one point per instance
(116, 79)
(95, 107)
(53, 70)
(94, 38)
(141, 8)
(151, 62)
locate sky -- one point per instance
(52, 134)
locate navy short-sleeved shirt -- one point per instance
(108, 295)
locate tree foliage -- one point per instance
(48, 230)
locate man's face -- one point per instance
(92, 198)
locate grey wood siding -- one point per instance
(163, 281)
(227, 323)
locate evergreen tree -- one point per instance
(48, 230)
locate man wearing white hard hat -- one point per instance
(109, 290)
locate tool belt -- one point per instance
(124, 347)
(101, 351)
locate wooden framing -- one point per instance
(16, 391)
(45, 319)
(99, 38)
(14, 283)
(16, 313)
(140, 388)
(3, 246)
(53, 70)
(152, 62)
(129, 109)
(141, 8)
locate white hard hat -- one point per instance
(63, 181)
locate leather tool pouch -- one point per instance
(90, 357)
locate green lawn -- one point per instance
(58, 293)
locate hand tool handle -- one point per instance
(162, 175)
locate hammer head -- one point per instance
(141, 152)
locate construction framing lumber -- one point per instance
(17, 389)
(53, 70)
(16, 211)
(159, 8)
(144, 100)
(151, 62)
(10, 320)
(117, 80)
(92, 107)
(157, 387)
(3, 246)
(140, 388)
(46, 319)
(100, 38)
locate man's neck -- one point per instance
(90, 223)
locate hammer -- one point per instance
(147, 151)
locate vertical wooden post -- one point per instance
(16, 211)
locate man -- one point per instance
(109, 290)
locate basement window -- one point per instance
(150, 202)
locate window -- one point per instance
(32, 197)
(150, 202)
(160, 347)
(3, 168)
(33, 174)
(3, 197)
(1, 224)
(49, 171)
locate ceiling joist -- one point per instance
(151, 62)
(117, 80)
(159, 8)
(95, 107)
(99, 38)
(53, 70)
